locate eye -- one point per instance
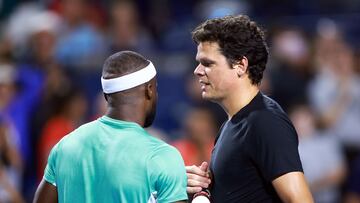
(205, 64)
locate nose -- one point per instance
(199, 70)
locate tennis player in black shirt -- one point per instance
(255, 157)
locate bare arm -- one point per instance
(292, 188)
(46, 193)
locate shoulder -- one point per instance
(271, 124)
(77, 135)
(90, 126)
(86, 128)
(270, 112)
(269, 117)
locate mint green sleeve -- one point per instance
(168, 172)
(50, 169)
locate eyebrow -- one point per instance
(205, 60)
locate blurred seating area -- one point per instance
(51, 55)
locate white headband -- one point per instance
(128, 81)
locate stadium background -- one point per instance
(51, 55)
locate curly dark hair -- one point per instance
(237, 37)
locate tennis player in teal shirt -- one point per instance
(114, 159)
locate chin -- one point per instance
(210, 97)
(207, 96)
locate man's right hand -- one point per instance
(198, 178)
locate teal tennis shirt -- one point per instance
(109, 160)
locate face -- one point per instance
(215, 75)
(151, 112)
(43, 45)
(73, 10)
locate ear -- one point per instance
(241, 66)
(149, 93)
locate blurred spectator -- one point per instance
(159, 17)
(43, 36)
(19, 92)
(72, 108)
(335, 91)
(40, 58)
(43, 29)
(220, 8)
(127, 32)
(321, 155)
(291, 70)
(11, 167)
(94, 14)
(199, 134)
(80, 45)
(16, 30)
(56, 84)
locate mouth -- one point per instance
(203, 84)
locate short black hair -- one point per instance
(237, 37)
(122, 63)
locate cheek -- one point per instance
(223, 84)
(223, 81)
(208, 71)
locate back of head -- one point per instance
(129, 84)
(120, 64)
(237, 37)
(123, 63)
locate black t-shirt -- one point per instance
(255, 147)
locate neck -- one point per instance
(239, 99)
(127, 113)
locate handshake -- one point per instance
(198, 181)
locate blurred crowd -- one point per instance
(51, 55)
